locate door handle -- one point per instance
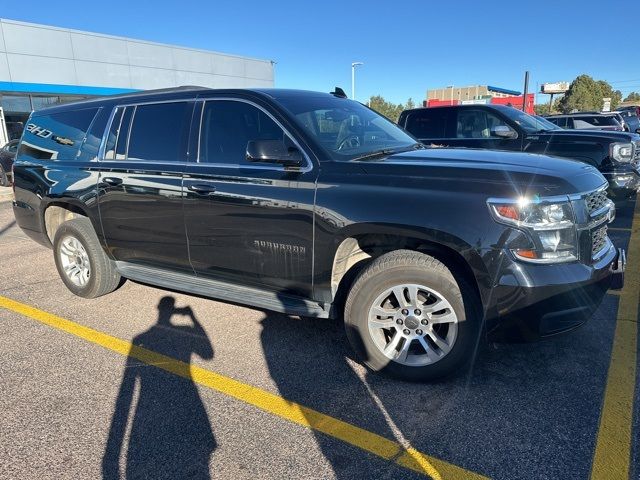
(202, 188)
(113, 181)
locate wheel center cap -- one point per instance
(412, 323)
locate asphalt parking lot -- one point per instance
(168, 385)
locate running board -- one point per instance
(238, 294)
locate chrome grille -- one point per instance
(596, 200)
(598, 240)
(636, 156)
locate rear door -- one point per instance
(248, 223)
(140, 184)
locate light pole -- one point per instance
(353, 78)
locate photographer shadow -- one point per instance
(160, 424)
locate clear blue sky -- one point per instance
(407, 46)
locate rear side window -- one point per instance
(57, 136)
(595, 121)
(559, 121)
(91, 145)
(158, 132)
(428, 123)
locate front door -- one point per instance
(474, 128)
(140, 184)
(247, 222)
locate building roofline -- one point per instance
(129, 39)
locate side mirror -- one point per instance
(503, 131)
(274, 151)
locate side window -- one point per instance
(430, 124)
(91, 145)
(158, 132)
(123, 133)
(112, 136)
(477, 124)
(57, 136)
(227, 127)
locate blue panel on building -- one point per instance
(61, 89)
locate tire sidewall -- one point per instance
(356, 322)
(66, 230)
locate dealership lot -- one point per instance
(74, 403)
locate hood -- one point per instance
(493, 172)
(592, 133)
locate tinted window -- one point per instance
(112, 137)
(428, 123)
(56, 136)
(123, 133)
(561, 122)
(477, 124)
(595, 121)
(228, 126)
(159, 132)
(89, 150)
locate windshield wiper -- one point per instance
(385, 152)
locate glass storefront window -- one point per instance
(17, 108)
(15, 103)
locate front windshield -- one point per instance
(529, 123)
(344, 128)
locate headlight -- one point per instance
(550, 225)
(621, 152)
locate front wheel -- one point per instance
(407, 316)
(82, 264)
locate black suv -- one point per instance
(314, 205)
(588, 121)
(615, 154)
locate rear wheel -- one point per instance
(406, 315)
(82, 264)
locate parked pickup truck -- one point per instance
(314, 205)
(615, 154)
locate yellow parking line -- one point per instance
(294, 412)
(613, 446)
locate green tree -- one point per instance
(541, 109)
(389, 109)
(586, 94)
(632, 97)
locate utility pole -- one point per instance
(353, 78)
(526, 90)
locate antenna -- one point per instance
(338, 92)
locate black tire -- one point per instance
(410, 267)
(4, 178)
(103, 276)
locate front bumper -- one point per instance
(531, 302)
(623, 182)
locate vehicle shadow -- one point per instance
(503, 399)
(312, 364)
(7, 227)
(160, 427)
